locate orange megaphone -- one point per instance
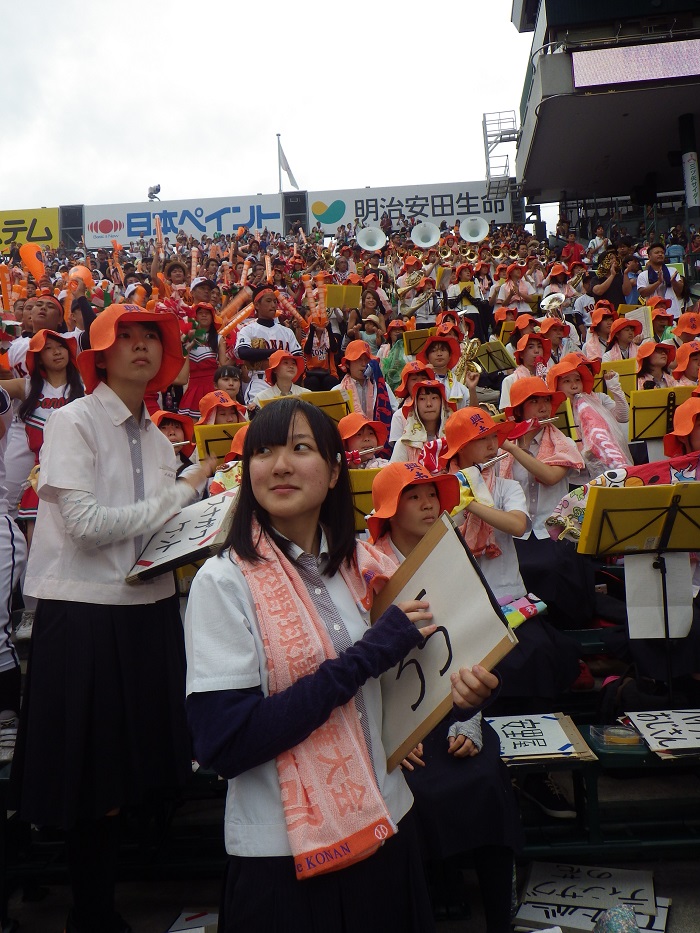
(82, 272)
(31, 257)
(241, 232)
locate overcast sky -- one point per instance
(103, 100)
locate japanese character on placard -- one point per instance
(442, 205)
(416, 206)
(467, 204)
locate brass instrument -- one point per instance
(360, 267)
(419, 301)
(445, 253)
(467, 362)
(552, 304)
(575, 280)
(498, 255)
(411, 281)
(418, 253)
(513, 255)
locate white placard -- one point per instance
(645, 617)
(575, 919)
(190, 535)
(416, 694)
(527, 736)
(668, 730)
(590, 886)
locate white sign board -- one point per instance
(590, 886)
(433, 203)
(527, 736)
(575, 919)
(192, 534)
(669, 730)
(127, 223)
(416, 694)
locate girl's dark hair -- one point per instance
(229, 371)
(270, 428)
(74, 386)
(375, 295)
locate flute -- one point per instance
(482, 466)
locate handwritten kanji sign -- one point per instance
(590, 886)
(669, 729)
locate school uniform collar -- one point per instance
(116, 410)
(295, 552)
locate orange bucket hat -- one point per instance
(356, 349)
(522, 320)
(622, 322)
(237, 444)
(658, 302)
(391, 482)
(205, 306)
(467, 425)
(410, 369)
(499, 315)
(38, 343)
(547, 323)
(684, 419)
(593, 366)
(601, 310)
(451, 342)
(353, 423)
(683, 354)
(647, 349)
(277, 358)
(570, 365)
(528, 338)
(434, 384)
(212, 400)
(103, 334)
(532, 387)
(557, 269)
(688, 323)
(187, 426)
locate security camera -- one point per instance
(153, 193)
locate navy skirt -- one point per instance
(385, 892)
(462, 804)
(103, 722)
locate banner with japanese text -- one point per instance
(32, 225)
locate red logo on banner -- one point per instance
(106, 226)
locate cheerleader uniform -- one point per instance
(52, 398)
(203, 364)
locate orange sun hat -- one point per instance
(528, 338)
(451, 342)
(570, 364)
(277, 357)
(622, 322)
(410, 369)
(469, 424)
(353, 423)
(103, 334)
(213, 400)
(390, 483)
(684, 419)
(532, 387)
(647, 349)
(187, 426)
(683, 354)
(38, 343)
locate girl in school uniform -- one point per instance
(282, 376)
(412, 373)
(602, 319)
(623, 340)
(531, 355)
(426, 416)
(653, 362)
(544, 461)
(601, 419)
(274, 705)
(463, 797)
(205, 354)
(103, 713)
(229, 379)
(559, 333)
(53, 382)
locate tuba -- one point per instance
(425, 235)
(371, 239)
(467, 362)
(551, 305)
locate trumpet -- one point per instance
(497, 255)
(513, 255)
(360, 267)
(575, 280)
(445, 253)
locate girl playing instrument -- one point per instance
(531, 355)
(259, 687)
(361, 438)
(107, 722)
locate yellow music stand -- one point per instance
(343, 296)
(493, 357)
(361, 485)
(336, 403)
(507, 328)
(652, 410)
(643, 520)
(215, 439)
(413, 340)
(627, 371)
